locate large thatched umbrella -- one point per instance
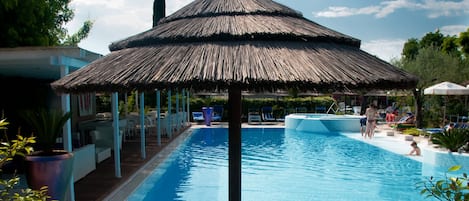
(236, 45)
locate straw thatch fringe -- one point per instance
(206, 8)
(236, 28)
(321, 67)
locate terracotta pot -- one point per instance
(52, 169)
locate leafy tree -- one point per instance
(463, 41)
(82, 33)
(450, 45)
(38, 23)
(432, 39)
(434, 58)
(447, 44)
(432, 66)
(411, 49)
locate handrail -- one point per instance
(331, 108)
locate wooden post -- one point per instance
(234, 144)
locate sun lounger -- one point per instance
(267, 114)
(217, 113)
(198, 116)
(405, 122)
(254, 116)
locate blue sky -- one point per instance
(382, 26)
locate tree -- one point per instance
(463, 41)
(74, 39)
(432, 66)
(435, 58)
(38, 23)
(432, 39)
(411, 49)
(450, 46)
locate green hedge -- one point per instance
(280, 106)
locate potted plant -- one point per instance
(48, 165)
(9, 189)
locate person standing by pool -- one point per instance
(371, 117)
(415, 149)
(363, 126)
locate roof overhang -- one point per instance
(42, 62)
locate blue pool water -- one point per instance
(283, 165)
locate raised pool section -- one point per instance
(323, 123)
(442, 160)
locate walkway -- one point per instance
(102, 181)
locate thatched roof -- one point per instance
(250, 44)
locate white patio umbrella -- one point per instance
(446, 89)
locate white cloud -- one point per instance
(453, 30)
(446, 8)
(344, 11)
(435, 8)
(115, 19)
(174, 5)
(389, 7)
(385, 49)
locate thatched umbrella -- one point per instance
(237, 45)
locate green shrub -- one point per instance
(449, 188)
(8, 150)
(452, 139)
(412, 131)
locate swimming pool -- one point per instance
(279, 164)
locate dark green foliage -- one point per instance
(432, 62)
(74, 39)
(450, 46)
(452, 139)
(9, 187)
(280, 107)
(434, 39)
(47, 125)
(449, 188)
(33, 23)
(463, 41)
(37, 23)
(411, 49)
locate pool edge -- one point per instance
(133, 182)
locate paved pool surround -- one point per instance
(323, 123)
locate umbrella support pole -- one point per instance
(234, 144)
